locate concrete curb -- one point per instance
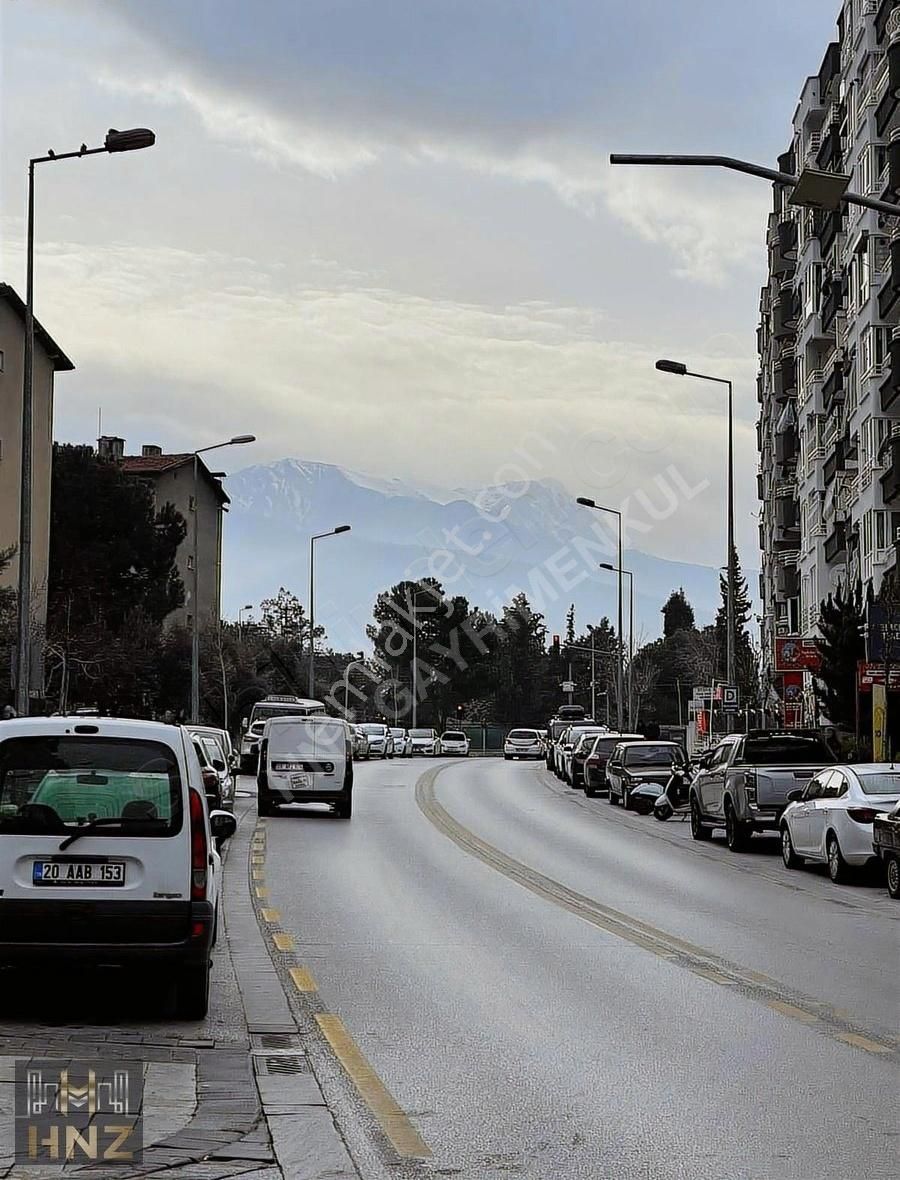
(306, 1142)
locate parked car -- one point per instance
(454, 741)
(523, 743)
(830, 819)
(402, 743)
(381, 744)
(573, 772)
(632, 763)
(104, 829)
(743, 783)
(305, 760)
(424, 741)
(359, 742)
(594, 769)
(566, 744)
(223, 737)
(218, 784)
(886, 845)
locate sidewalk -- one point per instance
(233, 1095)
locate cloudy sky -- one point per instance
(384, 233)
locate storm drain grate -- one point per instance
(290, 1065)
(277, 1041)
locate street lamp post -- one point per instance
(341, 528)
(605, 565)
(116, 141)
(620, 679)
(681, 370)
(812, 189)
(241, 610)
(238, 440)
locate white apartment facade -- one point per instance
(829, 381)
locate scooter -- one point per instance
(675, 799)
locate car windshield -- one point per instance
(52, 784)
(881, 783)
(421, 733)
(398, 733)
(522, 735)
(786, 750)
(374, 729)
(660, 755)
(453, 736)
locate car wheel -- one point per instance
(699, 831)
(788, 855)
(838, 869)
(590, 791)
(893, 877)
(344, 809)
(736, 836)
(192, 992)
(611, 798)
(626, 802)
(264, 805)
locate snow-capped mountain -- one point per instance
(487, 545)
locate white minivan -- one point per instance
(305, 760)
(108, 850)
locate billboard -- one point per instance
(868, 674)
(793, 654)
(882, 634)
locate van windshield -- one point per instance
(52, 784)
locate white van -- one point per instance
(253, 726)
(107, 850)
(305, 760)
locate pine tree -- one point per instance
(745, 660)
(678, 614)
(841, 646)
(570, 624)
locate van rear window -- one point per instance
(54, 784)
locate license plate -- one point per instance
(78, 872)
(301, 782)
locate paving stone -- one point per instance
(308, 1146)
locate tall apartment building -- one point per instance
(829, 347)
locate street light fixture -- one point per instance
(341, 528)
(606, 565)
(682, 370)
(620, 679)
(241, 610)
(236, 441)
(116, 141)
(812, 188)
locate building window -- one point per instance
(874, 344)
(190, 561)
(2, 360)
(192, 504)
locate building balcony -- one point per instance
(787, 581)
(787, 445)
(832, 302)
(883, 14)
(829, 156)
(833, 389)
(785, 377)
(787, 513)
(890, 478)
(832, 225)
(836, 543)
(888, 79)
(890, 386)
(889, 295)
(835, 461)
(785, 314)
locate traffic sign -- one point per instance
(568, 686)
(731, 698)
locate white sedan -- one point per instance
(830, 820)
(454, 741)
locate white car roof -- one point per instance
(120, 727)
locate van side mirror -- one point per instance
(222, 825)
(218, 764)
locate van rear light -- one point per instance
(862, 815)
(199, 848)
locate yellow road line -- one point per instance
(791, 1010)
(270, 915)
(860, 1042)
(258, 875)
(283, 942)
(262, 891)
(405, 1139)
(257, 860)
(303, 980)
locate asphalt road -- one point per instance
(552, 988)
